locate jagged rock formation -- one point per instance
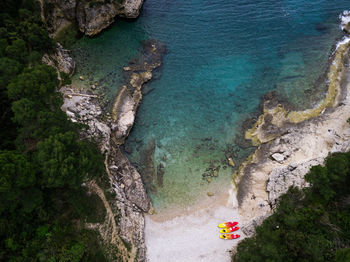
(60, 60)
(345, 21)
(124, 221)
(91, 16)
(129, 97)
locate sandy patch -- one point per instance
(192, 236)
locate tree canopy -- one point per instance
(43, 162)
(312, 224)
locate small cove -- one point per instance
(223, 56)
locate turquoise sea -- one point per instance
(222, 57)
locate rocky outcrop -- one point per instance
(345, 21)
(91, 16)
(124, 221)
(60, 60)
(129, 97)
(130, 199)
(130, 8)
(290, 143)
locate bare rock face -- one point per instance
(345, 21)
(249, 228)
(91, 16)
(60, 60)
(58, 14)
(125, 174)
(130, 198)
(130, 8)
(124, 221)
(281, 179)
(129, 97)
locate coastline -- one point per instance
(124, 198)
(290, 143)
(203, 219)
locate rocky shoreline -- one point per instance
(290, 143)
(90, 16)
(125, 198)
(124, 221)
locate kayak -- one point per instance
(228, 224)
(229, 236)
(228, 229)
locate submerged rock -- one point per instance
(160, 174)
(230, 161)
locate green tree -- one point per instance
(17, 51)
(65, 161)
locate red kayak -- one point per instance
(228, 224)
(228, 229)
(229, 236)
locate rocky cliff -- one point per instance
(125, 198)
(91, 16)
(122, 231)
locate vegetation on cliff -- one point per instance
(312, 224)
(43, 162)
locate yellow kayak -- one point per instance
(229, 236)
(228, 229)
(227, 224)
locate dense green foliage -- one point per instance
(43, 163)
(312, 224)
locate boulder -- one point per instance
(91, 16)
(278, 157)
(345, 21)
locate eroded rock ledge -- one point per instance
(124, 222)
(129, 97)
(290, 143)
(123, 229)
(91, 16)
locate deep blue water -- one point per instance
(223, 55)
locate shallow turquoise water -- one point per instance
(222, 57)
